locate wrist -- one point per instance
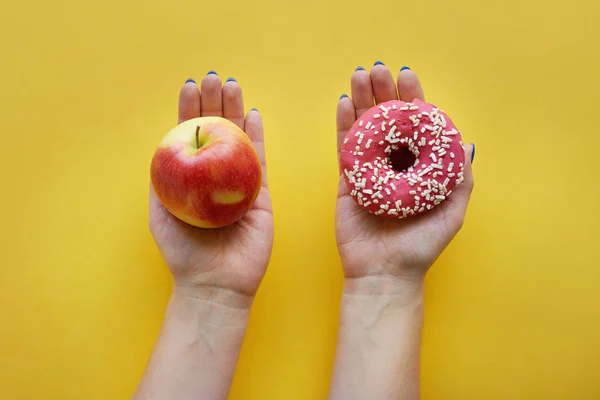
(400, 292)
(219, 297)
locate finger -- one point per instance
(345, 117)
(211, 95)
(189, 101)
(382, 81)
(254, 129)
(462, 193)
(409, 87)
(233, 102)
(362, 91)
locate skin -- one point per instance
(385, 262)
(216, 272)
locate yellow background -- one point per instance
(87, 89)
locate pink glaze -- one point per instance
(431, 137)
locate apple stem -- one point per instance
(197, 140)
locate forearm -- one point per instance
(379, 340)
(197, 351)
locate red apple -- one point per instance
(206, 172)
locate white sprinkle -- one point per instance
(424, 172)
(384, 206)
(394, 106)
(392, 129)
(392, 122)
(417, 199)
(383, 126)
(369, 143)
(368, 125)
(451, 155)
(414, 108)
(412, 192)
(388, 191)
(367, 191)
(345, 140)
(381, 142)
(376, 116)
(446, 182)
(367, 203)
(404, 108)
(450, 166)
(446, 139)
(359, 153)
(435, 148)
(440, 197)
(433, 157)
(393, 186)
(388, 150)
(360, 138)
(363, 170)
(391, 211)
(360, 123)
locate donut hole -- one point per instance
(401, 159)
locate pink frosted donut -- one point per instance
(401, 159)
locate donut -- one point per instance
(401, 159)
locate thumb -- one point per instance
(462, 193)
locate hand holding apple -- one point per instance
(213, 180)
(206, 172)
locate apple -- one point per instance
(206, 172)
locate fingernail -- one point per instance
(253, 109)
(359, 68)
(230, 79)
(404, 68)
(378, 63)
(190, 80)
(343, 96)
(211, 72)
(473, 153)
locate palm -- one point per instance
(234, 257)
(409, 242)
(371, 245)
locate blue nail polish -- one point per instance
(190, 80)
(378, 63)
(359, 68)
(230, 79)
(253, 109)
(404, 68)
(211, 72)
(343, 96)
(473, 153)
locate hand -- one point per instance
(372, 246)
(229, 261)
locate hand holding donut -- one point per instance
(403, 160)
